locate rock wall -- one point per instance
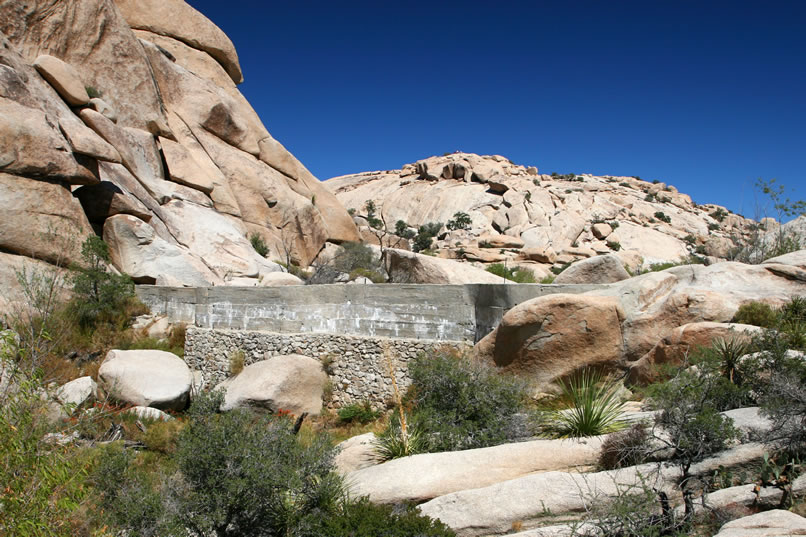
(422, 312)
(358, 367)
(123, 118)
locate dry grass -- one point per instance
(339, 431)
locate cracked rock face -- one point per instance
(122, 97)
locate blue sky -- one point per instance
(707, 96)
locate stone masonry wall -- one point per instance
(357, 366)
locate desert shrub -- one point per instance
(462, 404)
(355, 255)
(42, 484)
(713, 226)
(362, 518)
(236, 473)
(636, 511)
(558, 270)
(425, 236)
(780, 386)
(128, 495)
(99, 295)
(660, 215)
(614, 245)
(372, 215)
(358, 412)
(689, 405)
(422, 243)
(548, 279)
(162, 436)
(650, 197)
(719, 214)
(515, 274)
(258, 244)
(595, 406)
(402, 230)
(625, 448)
(460, 220)
(355, 259)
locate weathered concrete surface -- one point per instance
(433, 312)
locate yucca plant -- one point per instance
(596, 408)
(399, 439)
(730, 352)
(396, 442)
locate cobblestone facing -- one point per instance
(357, 366)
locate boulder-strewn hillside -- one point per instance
(523, 217)
(123, 118)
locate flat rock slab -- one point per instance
(775, 523)
(492, 510)
(429, 475)
(150, 378)
(64, 79)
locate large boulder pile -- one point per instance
(517, 213)
(123, 118)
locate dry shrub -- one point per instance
(625, 448)
(162, 436)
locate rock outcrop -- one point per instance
(574, 216)
(409, 267)
(655, 317)
(138, 100)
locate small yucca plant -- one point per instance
(596, 408)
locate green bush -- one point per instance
(43, 485)
(402, 230)
(238, 473)
(614, 245)
(98, 295)
(425, 236)
(558, 270)
(462, 404)
(596, 407)
(258, 244)
(780, 387)
(362, 518)
(719, 214)
(355, 412)
(690, 405)
(460, 220)
(660, 215)
(515, 274)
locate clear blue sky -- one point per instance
(705, 95)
